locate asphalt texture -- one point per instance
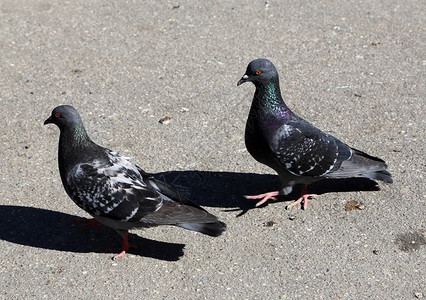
(355, 69)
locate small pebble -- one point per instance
(165, 120)
(418, 295)
(352, 205)
(270, 224)
(376, 252)
(291, 217)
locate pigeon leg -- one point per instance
(89, 223)
(124, 248)
(303, 198)
(265, 197)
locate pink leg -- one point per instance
(124, 248)
(265, 197)
(303, 198)
(89, 223)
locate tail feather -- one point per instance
(211, 229)
(363, 164)
(382, 175)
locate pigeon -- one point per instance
(298, 151)
(116, 192)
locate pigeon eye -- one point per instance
(258, 72)
(57, 115)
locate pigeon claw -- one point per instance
(121, 251)
(303, 198)
(265, 197)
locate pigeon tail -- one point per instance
(363, 164)
(382, 175)
(211, 229)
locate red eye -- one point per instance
(258, 72)
(57, 115)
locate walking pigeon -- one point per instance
(298, 151)
(116, 192)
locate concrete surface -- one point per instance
(353, 68)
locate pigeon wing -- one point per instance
(112, 190)
(304, 150)
(166, 191)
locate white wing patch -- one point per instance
(283, 132)
(132, 214)
(122, 170)
(99, 187)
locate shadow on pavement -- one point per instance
(54, 230)
(227, 189)
(57, 231)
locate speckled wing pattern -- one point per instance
(304, 150)
(113, 188)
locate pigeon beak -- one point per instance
(49, 120)
(243, 79)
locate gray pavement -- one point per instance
(353, 68)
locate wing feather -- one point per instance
(113, 188)
(304, 150)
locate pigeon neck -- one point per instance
(271, 102)
(74, 138)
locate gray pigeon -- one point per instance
(116, 192)
(298, 151)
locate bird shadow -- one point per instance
(227, 189)
(54, 230)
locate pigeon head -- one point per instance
(63, 116)
(259, 71)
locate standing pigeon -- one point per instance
(116, 192)
(298, 151)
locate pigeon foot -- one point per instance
(303, 198)
(265, 197)
(126, 246)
